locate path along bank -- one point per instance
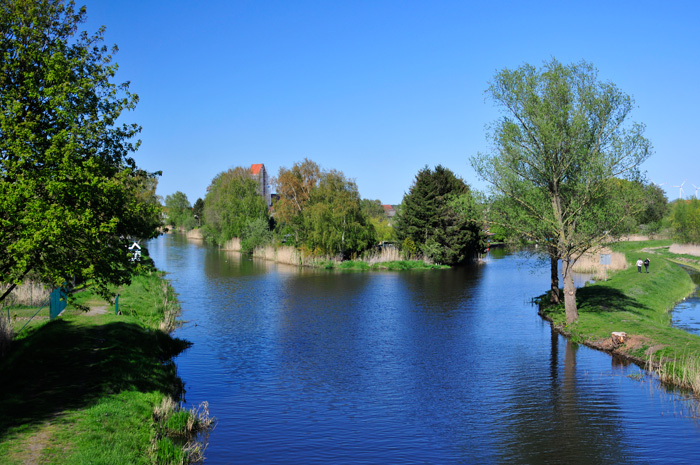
(93, 386)
(638, 304)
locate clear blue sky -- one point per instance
(379, 89)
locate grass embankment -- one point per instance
(95, 387)
(639, 305)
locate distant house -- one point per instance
(389, 211)
(259, 173)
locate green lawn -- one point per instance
(637, 304)
(82, 389)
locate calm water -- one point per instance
(455, 366)
(686, 314)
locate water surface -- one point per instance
(452, 366)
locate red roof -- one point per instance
(255, 169)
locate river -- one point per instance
(434, 367)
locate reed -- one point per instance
(590, 263)
(685, 249)
(6, 333)
(232, 244)
(29, 293)
(178, 430)
(383, 256)
(194, 234)
(683, 372)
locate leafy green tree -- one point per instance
(179, 211)
(378, 217)
(564, 136)
(322, 211)
(655, 209)
(335, 221)
(441, 217)
(71, 197)
(685, 221)
(231, 203)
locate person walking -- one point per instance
(646, 265)
(639, 265)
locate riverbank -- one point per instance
(95, 387)
(638, 304)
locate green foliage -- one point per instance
(322, 211)
(71, 197)
(179, 211)
(198, 210)
(685, 221)
(440, 215)
(231, 203)
(256, 233)
(563, 139)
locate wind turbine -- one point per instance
(680, 191)
(696, 189)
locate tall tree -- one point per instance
(69, 190)
(179, 210)
(563, 136)
(231, 203)
(441, 217)
(321, 210)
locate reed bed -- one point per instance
(194, 234)
(6, 333)
(683, 372)
(590, 263)
(232, 244)
(29, 293)
(685, 249)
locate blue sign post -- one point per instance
(57, 303)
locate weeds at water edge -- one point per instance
(180, 434)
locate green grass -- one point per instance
(82, 389)
(635, 303)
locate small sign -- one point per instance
(605, 259)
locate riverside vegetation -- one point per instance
(91, 378)
(639, 305)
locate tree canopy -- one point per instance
(440, 216)
(321, 211)
(71, 196)
(231, 204)
(179, 211)
(563, 137)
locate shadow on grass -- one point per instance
(69, 365)
(597, 299)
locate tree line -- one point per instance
(563, 171)
(321, 213)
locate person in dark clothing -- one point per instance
(646, 265)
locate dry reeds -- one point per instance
(170, 310)
(6, 333)
(684, 372)
(28, 293)
(194, 234)
(685, 249)
(590, 263)
(232, 244)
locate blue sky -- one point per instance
(379, 89)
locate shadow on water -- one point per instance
(65, 365)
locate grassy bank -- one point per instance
(94, 387)
(638, 304)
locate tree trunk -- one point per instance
(554, 289)
(569, 292)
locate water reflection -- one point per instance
(686, 314)
(454, 366)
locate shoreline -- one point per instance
(639, 307)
